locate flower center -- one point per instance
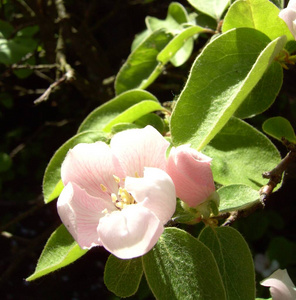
(123, 197)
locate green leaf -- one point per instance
(254, 14)
(123, 276)
(134, 112)
(237, 196)
(221, 78)
(181, 41)
(213, 8)
(263, 94)
(105, 113)
(15, 48)
(142, 67)
(175, 17)
(241, 154)
(234, 260)
(5, 162)
(181, 267)
(59, 251)
(52, 184)
(153, 120)
(279, 127)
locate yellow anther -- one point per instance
(116, 178)
(105, 211)
(113, 197)
(137, 175)
(103, 188)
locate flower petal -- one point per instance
(281, 286)
(289, 16)
(81, 214)
(131, 232)
(292, 4)
(139, 148)
(191, 173)
(155, 191)
(89, 166)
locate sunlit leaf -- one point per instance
(59, 251)
(279, 127)
(181, 267)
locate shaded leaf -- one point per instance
(123, 276)
(234, 260)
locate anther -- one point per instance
(103, 188)
(116, 178)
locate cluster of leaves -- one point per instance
(237, 75)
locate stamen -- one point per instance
(113, 197)
(105, 211)
(116, 178)
(137, 175)
(103, 188)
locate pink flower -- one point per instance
(289, 16)
(192, 175)
(118, 197)
(281, 286)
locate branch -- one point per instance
(45, 95)
(274, 176)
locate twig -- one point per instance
(32, 67)
(274, 176)
(46, 94)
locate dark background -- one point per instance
(97, 37)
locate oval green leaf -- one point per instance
(59, 251)
(133, 113)
(234, 260)
(241, 154)
(237, 196)
(52, 184)
(180, 41)
(221, 78)
(105, 113)
(263, 94)
(123, 276)
(181, 267)
(142, 67)
(254, 14)
(213, 8)
(279, 127)
(175, 17)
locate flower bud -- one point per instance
(192, 175)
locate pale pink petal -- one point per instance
(281, 286)
(131, 232)
(139, 148)
(289, 16)
(81, 214)
(89, 166)
(292, 4)
(191, 173)
(155, 191)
